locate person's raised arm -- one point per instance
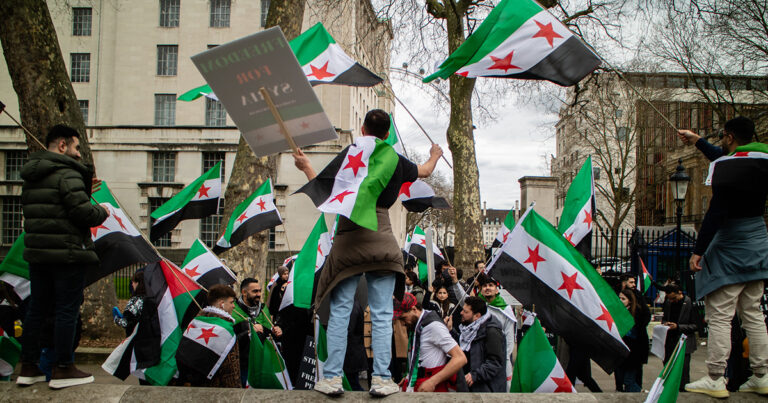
(426, 168)
(303, 164)
(711, 151)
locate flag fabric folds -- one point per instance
(255, 214)
(14, 270)
(351, 183)
(644, 283)
(10, 352)
(205, 268)
(537, 369)
(309, 262)
(667, 385)
(198, 200)
(539, 266)
(505, 229)
(579, 210)
(118, 242)
(205, 344)
(418, 247)
(394, 136)
(266, 367)
(520, 39)
(417, 196)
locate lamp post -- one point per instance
(679, 182)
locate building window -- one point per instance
(622, 133)
(14, 160)
(167, 59)
(12, 219)
(164, 167)
(211, 158)
(165, 109)
(209, 227)
(220, 13)
(83, 104)
(81, 21)
(264, 12)
(80, 68)
(272, 236)
(215, 115)
(154, 203)
(596, 173)
(169, 13)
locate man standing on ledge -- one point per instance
(731, 253)
(357, 251)
(58, 215)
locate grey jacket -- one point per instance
(487, 358)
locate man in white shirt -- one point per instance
(435, 357)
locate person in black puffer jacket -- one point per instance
(483, 343)
(58, 215)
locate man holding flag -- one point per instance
(361, 184)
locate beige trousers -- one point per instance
(720, 305)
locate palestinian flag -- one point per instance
(644, 282)
(520, 39)
(14, 270)
(266, 367)
(667, 385)
(198, 200)
(537, 369)
(579, 210)
(418, 196)
(122, 362)
(351, 184)
(301, 280)
(738, 168)
(506, 228)
(254, 214)
(10, 351)
(205, 344)
(205, 268)
(118, 242)
(418, 247)
(540, 267)
(394, 136)
(321, 352)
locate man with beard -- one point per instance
(482, 341)
(489, 292)
(251, 315)
(435, 357)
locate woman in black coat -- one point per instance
(637, 341)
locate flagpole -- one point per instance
(186, 289)
(40, 143)
(399, 137)
(265, 94)
(282, 372)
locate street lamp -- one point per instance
(679, 181)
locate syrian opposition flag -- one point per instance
(418, 196)
(198, 200)
(14, 270)
(10, 351)
(667, 385)
(351, 183)
(579, 210)
(537, 369)
(205, 268)
(418, 247)
(506, 228)
(540, 267)
(309, 262)
(520, 39)
(118, 242)
(735, 167)
(644, 282)
(255, 214)
(266, 367)
(394, 136)
(205, 344)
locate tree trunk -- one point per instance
(249, 258)
(466, 195)
(46, 98)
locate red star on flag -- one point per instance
(319, 249)
(355, 162)
(192, 272)
(340, 197)
(563, 384)
(570, 284)
(261, 204)
(320, 73)
(504, 63)
(534, 258)
(741, 154)
(606, 316)
(423, 241)
(569, 237)
(587, 218)
(119, 221)
(505, 236)
(304, 125)
(95, 230)
(207, 334)
(464, 73)
(203, 191)
(405, 189)
(546, 31)
(242, 217)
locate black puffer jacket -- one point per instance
(486, 360)
(58, 213)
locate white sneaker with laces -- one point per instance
(756, 385)
(708, 386)
(382, 387)
(330, 386)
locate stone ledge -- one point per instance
(9, 392)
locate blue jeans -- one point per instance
(381, 287)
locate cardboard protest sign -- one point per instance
(237, 70)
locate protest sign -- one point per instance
(307, 367)
(238, 70)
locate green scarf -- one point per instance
(497, 302)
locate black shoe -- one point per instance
(66, 376)
(30, 374)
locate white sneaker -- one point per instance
(715, 388)
(330, 386)
(756, 385)
(381, 387)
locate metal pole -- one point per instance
(679, 213)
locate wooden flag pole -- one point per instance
(430, 255)
(276, 114)
(40, 143)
